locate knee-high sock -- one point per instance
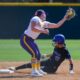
(34, 64)
(38, 65)
(27, 65)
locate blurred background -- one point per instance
(15, 19)
(65, 1)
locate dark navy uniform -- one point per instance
(58, 56)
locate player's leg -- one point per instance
(39, 62)
(24, 66)
(27, 65)
(48, 67)
(44, 65)
(29, 45)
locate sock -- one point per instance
(28, 65)
(38, 65)
(34, 64)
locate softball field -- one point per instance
(61, 74)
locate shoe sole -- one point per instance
(36, 75)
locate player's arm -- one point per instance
(57, 25)
(68, 56)
(36, 29)
(71, 70)
(46, 56)
(71, 64)
(68, 16)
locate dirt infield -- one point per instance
(61, 74)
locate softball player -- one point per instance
(54, 60)
(37, 25)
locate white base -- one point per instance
(3, 71)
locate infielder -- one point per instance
(60, 53)
(37, 25)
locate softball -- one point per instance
(70, 12)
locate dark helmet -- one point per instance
(39, 12)
(59, 38)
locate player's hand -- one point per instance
(71, 72)
(46, 31)
(43, 56)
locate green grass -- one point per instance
(10, 50)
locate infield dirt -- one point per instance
(61, 74)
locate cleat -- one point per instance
(36, 74)
(42, 72)
(12, 69)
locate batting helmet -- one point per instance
(59, 38)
